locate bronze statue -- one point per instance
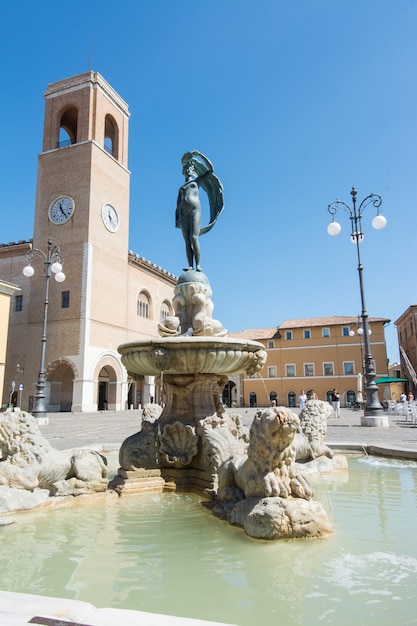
(198, 172)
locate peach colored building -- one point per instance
(110, 295)
(407, 340)
(317, 354)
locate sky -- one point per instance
(294, 102)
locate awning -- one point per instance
(385, 380)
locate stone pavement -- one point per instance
(106, 430)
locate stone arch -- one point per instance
(111, 136)
(108, 375)
(68, 126)
(60, 376)
(229, 394)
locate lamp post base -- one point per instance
(380, 420)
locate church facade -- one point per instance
(110, 296)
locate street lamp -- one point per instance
(373, 413)
(52, 262)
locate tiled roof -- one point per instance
(333, 320)
(255, 333)
(309, 322)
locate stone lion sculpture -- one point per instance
(263, 491)
(29, 462)
(268, 470)
(309, 444)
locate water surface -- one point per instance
(165, 553)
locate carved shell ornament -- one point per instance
(178, 443)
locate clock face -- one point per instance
(61, 210)
(110, 218)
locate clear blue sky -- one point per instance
(294, 102)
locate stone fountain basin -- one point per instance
(192, 355)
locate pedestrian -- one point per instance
(410, 396)
(403, 397)
(312, 395)
(336, 403)
(302, 399)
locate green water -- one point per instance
(165, 553)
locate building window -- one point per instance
(272, 371)
(328, 369)
(143, 306)
(271, 344)
(307, 333)
(165, 312)
(65, 299)
(308, 369)
(325, 332)
(288, 335)
(18, 305)
(348, 368)
(290, 369)
(345, 331)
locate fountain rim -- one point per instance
(181, 341)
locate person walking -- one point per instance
(302, 399)
(336, 402)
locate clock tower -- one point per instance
(110, 295)
(82, 204)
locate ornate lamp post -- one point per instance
(373, 413)
(52, 262)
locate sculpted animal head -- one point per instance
(20, 440)
(271, 437)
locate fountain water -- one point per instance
(162, 553)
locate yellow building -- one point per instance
(7, 291)
(110, 295)
(319, 354)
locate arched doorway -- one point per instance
(350, 397)
(273, 398)
(61, 385)
(229, 394)
(107, 388)
(253, 400)
(292, 399)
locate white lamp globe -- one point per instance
(28, 271)
(360, 330)
(379, 222)
(351, 333)
(334, 228)
(56, 267)
(60, 277)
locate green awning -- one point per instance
(385, 380)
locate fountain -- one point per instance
(162, 553)
(194, 444)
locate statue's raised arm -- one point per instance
(198, 172)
